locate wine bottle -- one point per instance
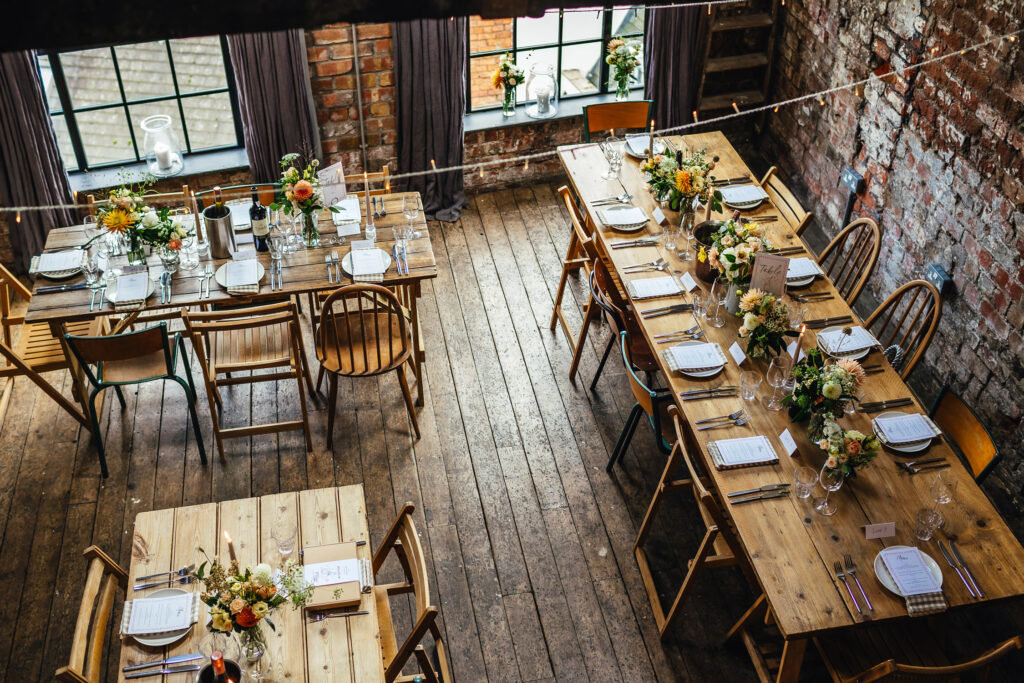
(219, 673)
(218, 201)
(258, 220)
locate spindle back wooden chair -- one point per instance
(615, 116)
(650, 402)
(719, 546)
(851, 256)
(620, 318)
(907, 320)
(403, 539)
(785, 203)
(232, 343)
(968, 434)
(363, 332)
(88, 644)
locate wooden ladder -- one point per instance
(738, 44)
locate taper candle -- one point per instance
(231, 547)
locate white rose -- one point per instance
(728, 241)
(831, 463)
(262, 573)
(150, 219)
(743, 253)
(750, 322)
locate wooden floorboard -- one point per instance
(528, 540)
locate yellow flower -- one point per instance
(751, 299)
(496, 79)
(260, 610)
(221, 620)
(117, 220)
(702, 255)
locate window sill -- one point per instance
(196, 164)
(490, 119)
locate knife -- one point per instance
(405, 261)
(763, 496)
(667, 310)
(394, 255)
(161, 672)
(61, 288)
(959, 559)
(918, 463)
(766, 487)
(177, 659)
(949, 561)
(691, 392)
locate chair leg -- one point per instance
(625, 436)
(408, 399)
(332, 398)
(120, 397)
(96, 432)
(190, 394)
(592, 311)
(302, 406)
(604, 359)
(320, 378)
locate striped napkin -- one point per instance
(926, 603)
(132, 291)
(242, 277)
(368, 265)
(126, 625)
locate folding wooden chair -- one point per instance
(405, 542)
(88, 644)
(969, 436)
(235, 341)
(850, 258)
(905, 322)
(620, 318)
(615, 116)
(785, 203)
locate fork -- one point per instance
(732, 423)
(851, 569)
(179, 572)
(103, 293)
(337, 261)
(280, 276)
(383, 212)
(330, 274)
(730, 416)
(208, 271)
(647, 269)
(842, 577)
(376, 214)
(652, 264)
(154, 584)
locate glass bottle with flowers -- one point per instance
(301, 195)
(822, 389)
(506, 77)
(765, 323)
(164, 231)
(122, 214)
(623, 57)
(734, 246)
(846, 450)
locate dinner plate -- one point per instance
(60, 274)
(659, 148)
(855, 355)
(800, 282)
(221, 276)
(746, 206)
(885, 578)
(699, 373)
(346, 261)
(622, 227)
(908, 447)
(112, 290)
(162, 639)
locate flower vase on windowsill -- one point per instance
(508, 102)
(506, 77)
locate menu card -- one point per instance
(59, 260)
(743, 194)
(800, 268)
(241, 273)
(836, 341)
(368, 261)
(908, 571)
(742, 452)
(160, 615)
(622, 215)
(133, 287)
(696, 356)
(905, 428)
(649, 288)
(338, 576)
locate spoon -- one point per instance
(735, 423)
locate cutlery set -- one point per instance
(165, 287)
(765, 492)
(760, 219)
(171, 665)
(100, 291)
(641, 242)
(276, 276)
(879, 406)
(725, 391)
(333, 262)
(734, 419)
(381, 211)
(873, 369)
(174, 572)
(851, 572)
(401, 261)
(917, 466)
(956, 561)
(738, 180)
(624, 198)
(784, 251)
(688, 334)
(207, 274)
(812, 297)
(320, 616)
(659, 266)
(817, 323)
(666, 310)
(169, 580)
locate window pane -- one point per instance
(49, 86)
(67, 152)
(489, 34)
(585, 25)
(528, 57)
(480, 91)
(91, 77)
(210, 121)
(141, 111)
(537, 31)
(626, 20)
(199, 63)
(145, 70)
(581, 68)
(105, 136)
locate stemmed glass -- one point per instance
(686, 254)
(90, 265)
(613, 155)
(830, 480)
(411, 209)
(778, 373)
(943, 489)
(716, 301)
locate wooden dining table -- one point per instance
(345, 650)
(789, 545)
(304, 271)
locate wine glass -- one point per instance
(613, 155)
(830, 480)
(778, 373)
(943, 489)
(90, 265)
(411, 209)
(716, 301)
(686, 253)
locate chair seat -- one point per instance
(388, 640)
(362, 344)
(41, 351)
(264, 346)
(850, 652)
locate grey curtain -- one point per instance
(275, 99)
(31, 171)
(430, 65)
(669, 59)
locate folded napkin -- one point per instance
(653, 287)
(802, 267)
(348, 217)
(242, 277)
(622, 216)
(55, 262)
(908, 570)
(368, 265)
(132, 291)
(837, 342)
(746, 451)
(909, 428)
(926, 603)
(638, 144)
(694, 357)
(153, 616)
(743, 194)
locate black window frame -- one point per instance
(606, 35)
(68, 111)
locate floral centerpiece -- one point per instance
(623, 57)
(847, 450)
(301, 194)
(165, 232)
(822, 389)
(765, 323)
(507, 76)
(660, 173)
(123, 213)
(682, 179)
(733, 249)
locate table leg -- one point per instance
(792, 660)
(417, 353)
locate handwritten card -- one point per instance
(908, 570)
(329, 573)
(332, 183)
(689, 283)
(737, 353)
(745, 451)
(659, 216)
(880, 530)
(160, 615)
(769, 273)
(905, 428)
(60, 260)
(787, 442)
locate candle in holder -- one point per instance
(163, 156)
(650, 141)
(799, 342)
(231, 547)
(371, 229)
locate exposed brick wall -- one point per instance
(486, 35)
(942, 152)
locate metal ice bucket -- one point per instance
(220, 233)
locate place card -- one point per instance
(362, 244)
(904, 428)
(332, 184)
(769, 274)
(59, 260)
(792, 348)
(880, 530)
(800, 268)
(652, 287)
(743, 452)
(788, 443)
(908, 571)
(737, 353)
(243, 254)
(837, 341)
(689, 283)
(244, 238)
(659, 216)
(160, 615)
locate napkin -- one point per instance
(151, 616)
(920, 591)
(695, 356)
(56, 261)
(241, 277)
(653, 287)
(905, 428)
(239, 215)
(836, 342)
(743, 194)
(132, 290)
(368, 265)
(802, 267)
(622, 216)
(638, 144)
(348, 217)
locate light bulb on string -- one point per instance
(695, 119)
(17, 218)
(736, 107)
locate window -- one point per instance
(99, 97)
(573, 41)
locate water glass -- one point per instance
(700, 303)
(797, 313)
(672, 234)
(927, 523)
(275, 245)
(831, 480)
(804, 479)
(613, 155)
(403, 233)
(284, 532)
(750, 382)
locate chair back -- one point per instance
(785, 203)
(711, 512)
(121, 348)
(615, 115)
(960, 423)
(403, 539)
(10, 284)
(379, 182)
(620, 317)
(907, 319)
(851, 256)
(891, 669)
(183, 198)
(643, 394)
(362, 331)
(581, 232)
(88, 644)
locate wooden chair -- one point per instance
(379, 181)
(907, 652)
(785, 203)
(234, 341)
(363, 332)
(405, 542)
(89, 642)
(604, 294)
(968, 434)
(718, 548)
(36, 350)
(581, 253)
(649, 401)
(906, 322)
(133, 358)
(851, 256)
(615, 115)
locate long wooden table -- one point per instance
(344, 650)
(303, 271)
(789, 545)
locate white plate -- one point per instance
(221, 276)
(622, 227)
(856, 355)
(908, 447)
(885, 578)
(60, 274)
(702, 373)
(346, 261)
(112, 290)
(801, 282)
(171, 636)
(659, 147)
(744, 207)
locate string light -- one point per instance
(776, 110)
(695, 119)
(17, 219)
(736, 107)
(526, 166)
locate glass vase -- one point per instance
(310, 229)
(255, 659)
(170, 259)
(508, 102)
(135, 251)
(622, 90)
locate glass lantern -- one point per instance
(542, 89)
(163, 154)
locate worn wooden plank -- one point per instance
(150, 552)
(286, 641)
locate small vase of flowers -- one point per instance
(623, 57)
(166, 233)
(660, 173)
(822, 389)
(507, 76)
(301, 194)
(847, 450)
(122, 215)
(765, 323)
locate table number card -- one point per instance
(737, 353)
(659, 216)
(689, 283)
(788, 443)
(770, 273)
(880, 530)
(332, 184)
